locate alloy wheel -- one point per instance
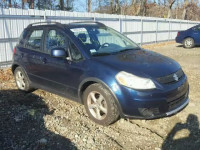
(20, 79)
(188, 42)
(97, 105)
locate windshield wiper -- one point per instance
(127, 49)
(101, 54)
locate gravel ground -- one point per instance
(41, 120)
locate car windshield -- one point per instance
(103, 40)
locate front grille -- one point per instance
(172, 78)
(174, 103)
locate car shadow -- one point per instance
(197, 46)
(22, 123)
(192, 142)
(179, 46)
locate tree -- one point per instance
(31, 4)
(89, 5)
(10, 4)
(185, 6)
(61, 5)
(142, 8)
(117, 7)
(171, 2)
(22, 4)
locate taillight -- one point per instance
(178, 34)
(14, 50)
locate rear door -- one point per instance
(34, 48)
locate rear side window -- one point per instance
(55, 39)
(22, 37)
(35, 40)
(197, 28)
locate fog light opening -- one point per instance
(146, 112)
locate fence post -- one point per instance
(156, 31)
(5, 31)
(169, 32)
(45, 19)
(120, 25)
(141, 41)
(94, 19)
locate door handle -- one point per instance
(44, 60)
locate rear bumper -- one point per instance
(178, 39)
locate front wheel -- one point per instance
(188, 43)
(100, 105)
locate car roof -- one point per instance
(86, 23)
(69, 25)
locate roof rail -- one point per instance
(43, 23)
(88, 22)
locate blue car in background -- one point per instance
(190, 37)
(101, 68)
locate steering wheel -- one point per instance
(104, 45)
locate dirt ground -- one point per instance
(41, 120)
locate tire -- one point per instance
(188, 43)
(22, 80)
(104, 111)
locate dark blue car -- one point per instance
(99, 67)
(189, 38)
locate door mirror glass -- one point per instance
(59, 52)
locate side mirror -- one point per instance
(59, 52)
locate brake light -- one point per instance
(178, 34)
(14, 50)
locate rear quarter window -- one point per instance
(22, 37)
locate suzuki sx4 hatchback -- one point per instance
(99, 67)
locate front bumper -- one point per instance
(154, 103)
(169, 113)
(178, 109)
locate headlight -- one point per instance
(133, 81)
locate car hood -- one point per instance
(141, 62)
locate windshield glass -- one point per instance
(103, 40)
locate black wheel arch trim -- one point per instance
(187, 37)
(96, 80)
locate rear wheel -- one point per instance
(21, 80)
(188, 43)
(100, 105)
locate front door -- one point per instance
(61, 74)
